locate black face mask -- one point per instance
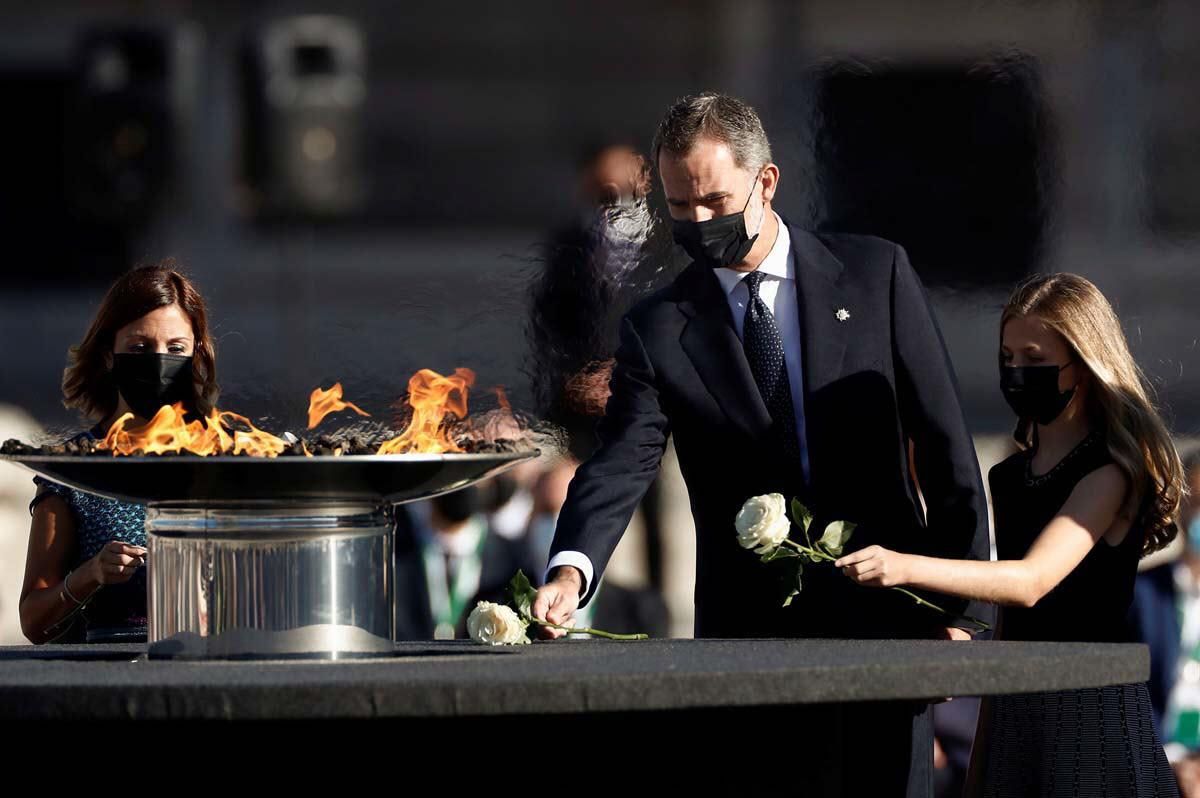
(499, 490)
(719, 242)
(149, 381)
(457, 506)
(1032, 392)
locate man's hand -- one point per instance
(557, 600)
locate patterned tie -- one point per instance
(764, 350)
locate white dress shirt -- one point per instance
(778, 292)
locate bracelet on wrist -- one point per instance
(67, 590)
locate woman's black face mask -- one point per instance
(147, 381)
(719, 242)
(1032, 391)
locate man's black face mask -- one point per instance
(719, 242)
(457, 506)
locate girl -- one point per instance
(1096, 486)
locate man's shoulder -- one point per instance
(856, 251)
(664, 303)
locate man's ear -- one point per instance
(770, 181)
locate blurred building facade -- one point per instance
(361, 188)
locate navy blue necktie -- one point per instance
(764, 351)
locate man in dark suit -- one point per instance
(781, 361)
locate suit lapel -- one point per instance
(823, 335)
(711, 343)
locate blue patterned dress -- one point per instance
(116, 612)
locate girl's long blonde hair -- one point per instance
(1120, 397)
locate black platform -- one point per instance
(463, 679)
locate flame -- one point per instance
(169, 433)
(432, 397)
(323, 402)
(255, 443)
(502, 398)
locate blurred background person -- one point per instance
(447, 559)
(613, 252)
(508, 499)
(148, 346)
(549, 493)
(575, 299)
(619, 605)
(1166, 616)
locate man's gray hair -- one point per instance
(716, 116)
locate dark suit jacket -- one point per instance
(871, 382)
(414, 614)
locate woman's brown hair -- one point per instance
(87, 382)
(1138, 440)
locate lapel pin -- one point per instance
(843, 314)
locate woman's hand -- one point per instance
(116, 563)
(875, 566)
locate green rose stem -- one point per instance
(817, 554)
(596, 632)
(522, 595)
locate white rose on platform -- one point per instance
(496, 625)
(507, 624)
(763, 523)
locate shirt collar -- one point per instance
(777, 264)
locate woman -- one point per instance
(1096, 486)
(148, 346)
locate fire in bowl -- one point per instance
(263, 546)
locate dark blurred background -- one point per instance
(361, 188)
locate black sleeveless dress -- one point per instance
(1092, 742)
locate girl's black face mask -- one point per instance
(719, 242)
(1032, 391)
(147, 381)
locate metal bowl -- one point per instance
(209, 481)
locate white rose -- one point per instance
(496, 625)
(763, 522)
